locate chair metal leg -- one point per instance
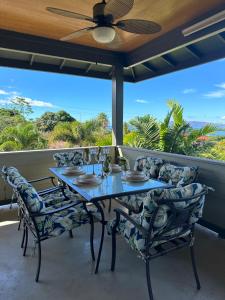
(19, 225)
(20, 218)
(92, 238)
(195, 267)
(23, 238)
(26, 240)
(147, 265)
(110, 205)
(102, 235)
(39, 260)
(71, 234)
(113, 261)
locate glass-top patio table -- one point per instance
(110, 187)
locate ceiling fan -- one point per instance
(104, 16)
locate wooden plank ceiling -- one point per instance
(31, 17)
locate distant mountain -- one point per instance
(198, 125)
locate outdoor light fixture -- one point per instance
(104, 34)
(205, 23)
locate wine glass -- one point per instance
(87, 157)
(101, 161)
(107, 167)
(93, 154)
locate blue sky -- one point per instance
(201, 91)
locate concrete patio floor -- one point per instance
(67, 271)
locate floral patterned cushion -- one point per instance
(177, 175)
(132, 202)
(11, 172)
(30, 196)
(70, 158)
(149, 165)
(56, 224)
(135, 237)
(58, 196)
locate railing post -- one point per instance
(117, 105)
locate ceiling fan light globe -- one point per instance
(104, 34)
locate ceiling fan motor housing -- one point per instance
(99, 17)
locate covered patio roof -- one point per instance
(30, 38)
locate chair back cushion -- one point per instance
(172, 204)
(12, 176)
(30, 197)
(70, 158)
(149, 165)
(176, 175)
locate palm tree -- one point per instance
(21, 137)
(173, 135)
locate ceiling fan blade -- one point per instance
(118, 8)
(69, 14)
(76, 34)
(139, 26)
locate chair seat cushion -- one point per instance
(59, 196)
(132, 202)
(134, 237)
(68, 219)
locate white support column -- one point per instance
(117, 105)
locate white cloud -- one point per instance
(4, 102)
(223, 118)
(189, 91)
(221, 85)
(3, 92)
(38, 103)
(32, 102)
(216, 94)
(142, 101)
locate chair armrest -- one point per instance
(42, 179)
(51, 212)
(120, 212)
(50, 190)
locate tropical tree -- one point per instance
(63, 132)
(102, 119)
(147, 132)
(49, 120)
(24, 136)
(10, 117)
(22, 105)
(173, 134)
(215, 152)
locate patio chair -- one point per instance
(150, 166)
(51, 195)
(157, 169)
(46, 222)
(69, 159)
(166, 223)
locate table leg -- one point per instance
(99, 207)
